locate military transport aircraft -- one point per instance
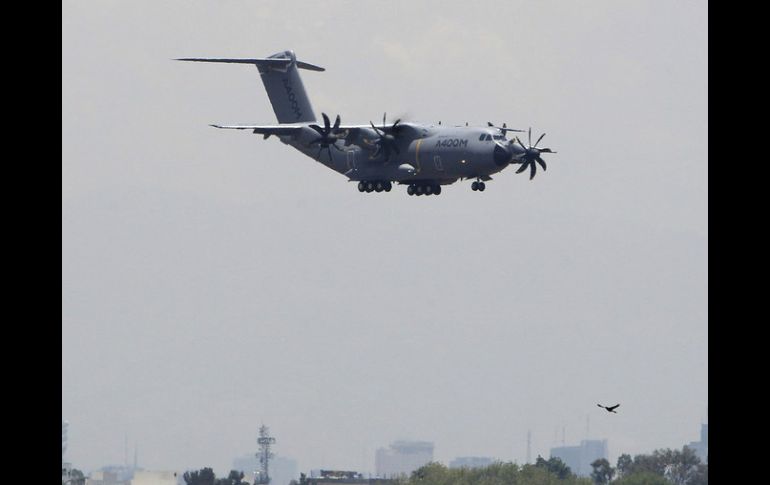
(422, 156)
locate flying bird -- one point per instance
(610, 408)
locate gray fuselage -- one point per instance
(435, 153)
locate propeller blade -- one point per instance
(520, 143)
(383, 120)
(530, 136)
(337, 123)
(375, 128)
(523, 167)
(538, 140)
(318, 129)
(326, 122)
(489, 124)
(541, 162)
(532, 170)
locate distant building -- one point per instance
(402, 458)
(154, 478)
(102, 477)
(701, 448)
(579, 458)
(282, 469)
(113, 475)
(66, 468)
(471, 462)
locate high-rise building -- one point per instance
(701, 448)
(66, 468)
(579, 458)
(402, 458)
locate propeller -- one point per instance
(328, 135)
(386, 143)
(531, 155)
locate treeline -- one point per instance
(206, 476)
(662, 467)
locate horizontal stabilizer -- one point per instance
(277, 63)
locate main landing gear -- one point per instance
(374, 186)
(478, 185)
(423, 189)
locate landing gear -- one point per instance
(478, 186)
(374, 186)
(423, 189)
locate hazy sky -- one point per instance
(213, 281)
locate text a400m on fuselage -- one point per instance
(422, 156)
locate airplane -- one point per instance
(424, 157)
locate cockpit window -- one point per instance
(489, 138)
(481, 138)
(499, 137)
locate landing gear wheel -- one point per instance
(482, 186)
(419, 190)
(437, 189)
(369, 186)
(361, 186)
(379, 187)
(428, 190)
(388, 186)
(475, 186)
(410, 190)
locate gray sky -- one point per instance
(213, 281)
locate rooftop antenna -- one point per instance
(264, 454)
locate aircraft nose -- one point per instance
(502, 155)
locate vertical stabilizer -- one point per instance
(285, 89)
(282, 82)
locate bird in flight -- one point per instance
(610, 408)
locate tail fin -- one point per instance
(282, 82)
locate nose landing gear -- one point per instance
(478, 185)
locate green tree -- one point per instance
(494, 474)
(603, 472)
(625, 463)
(641, 478)
(555, 466)
(234, 478)
(682, 466)
(204, 476)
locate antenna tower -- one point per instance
(529, 446)
(264, 454)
